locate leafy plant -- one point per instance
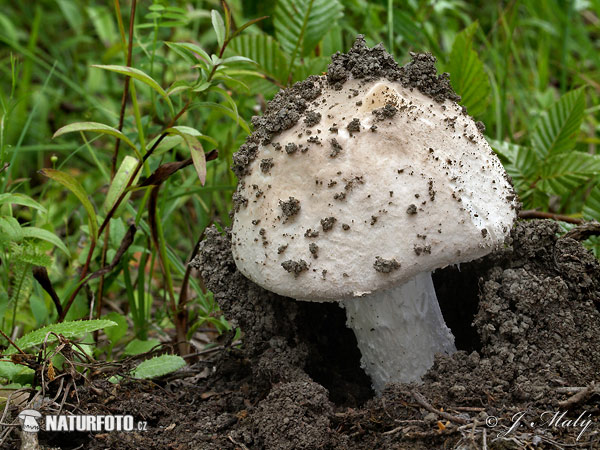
(550, 166)
(468, 76)
(67, 329)
(13, 370)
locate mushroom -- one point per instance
(398, 182)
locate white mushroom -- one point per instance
(355, 187)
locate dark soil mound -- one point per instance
(526, 321)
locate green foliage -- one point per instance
(94, 127)
(301, 24)
(550, 165)
(158, 366)
(137, 346)
(137, 74)
(67, 329)
(558, 127)
(468, 75)
(76, 188)
(119, 185)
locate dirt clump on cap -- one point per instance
(361, 62)
(370, 64)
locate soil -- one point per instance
(526, 321)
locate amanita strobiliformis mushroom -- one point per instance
(358, 184)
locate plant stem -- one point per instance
(112, 211)
(113, 167)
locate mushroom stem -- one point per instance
(399, 331)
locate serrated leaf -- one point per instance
(73, 185)
(30, 254)
(564, 172)
(219, 26)
(557, 129)
(67, 329)
(23, 200)
(301, 24)
(96, 128)
(264, 50)
(158, 366)
(137, 74)
(119, 184)
(521, 162)
(591, 207)
(45, 235)
(467, 74)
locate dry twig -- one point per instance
(421, 401)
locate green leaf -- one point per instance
(467, 74)
(265, 51)
(67, 329)
(566, 171)
(13, 371)
(73, 185)
(301, 24)
(158, 366)
(557, 130)
(591, 207)
(23, 200)
(10, 229)
(137, 346)
(192, 132)
(96, 128)
(117, 332)
(119, 184)
(30, 254)
(137, 74)
(45, 235)
(195, 148)
(199, 159)
(219, 26)
(521, 163)
(189, 51)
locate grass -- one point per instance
(527, 54)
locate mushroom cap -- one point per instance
(375, 183)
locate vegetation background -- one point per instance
(99, 219)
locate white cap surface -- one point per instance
(355, 210)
